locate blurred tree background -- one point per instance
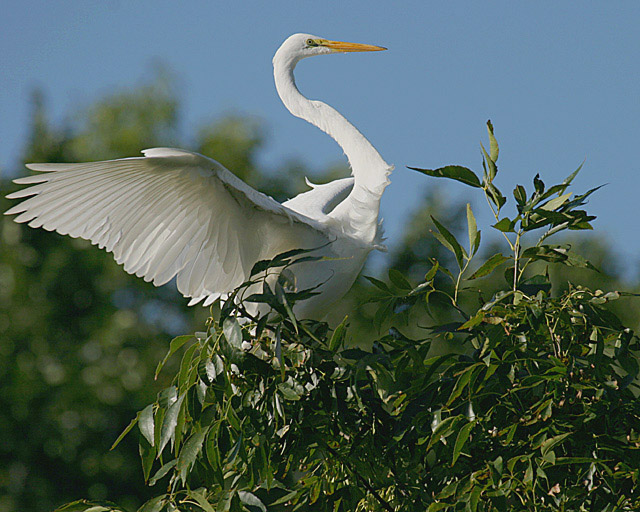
(80, 338)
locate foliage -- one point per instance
(80, 338)
(540, 412)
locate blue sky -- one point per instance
(560, 81)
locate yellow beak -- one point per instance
(341, 46)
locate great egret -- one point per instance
(173, 213)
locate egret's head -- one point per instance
(300, 46)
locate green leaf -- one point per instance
(279, 260)
(185, 365)
(473, 321)
(154, 504)
(437, 506)
(444, 428)
(432, 272)
(489, 266)
(170, 422)
(538, 184)
(463, 436)
(493, 143)
(461, 383)
(147, 456)
(146, 424)
(287, 391)
(567, 181)
(506, 225)
(454, 172)
(378, 284)
(447, 239)
(125, 431)
(282, 299)
(474, 234)
(495, 195)
(89, 506)
(337, 338)
(176, 344)
(233, 454)
(162, 472)
(551, 442)
(535, 284)
(191, 449)
(251, 501)
(520, 195)
(493, 168)
(556, 202)
(551, 253)
(233, 332)
(399, 280)
(284, 499)
(200, 498)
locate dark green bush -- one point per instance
(537, 411)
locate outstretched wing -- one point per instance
(170, 213)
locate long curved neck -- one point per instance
(368, 167)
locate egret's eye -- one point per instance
(311, 42)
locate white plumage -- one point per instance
(173, 213)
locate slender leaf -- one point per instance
(191, 449)
(454, 172)
(474, 234)
(162, 472)
(146, 424)
(170, 422)
(147, 456)
(489, 266)
(378, 284)
(399, 280)
(125, 431)
(505, 225)
(463, 436)
(199, 497)
(251, 501)
(337, 338)
(493, 168)
(493, 143)
(175, 345)
(233, 332)
(447, 239)
(553, 441)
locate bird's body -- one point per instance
(176, 214)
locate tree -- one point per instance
(80, 338)
(540, 412)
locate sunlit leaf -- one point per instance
(463, 436)
(446, 238)
(162, 472)
(489, 266)
(233, 332)
(474, 234)
(175, 345)
(191, 449)
(454, 172)
(337, 338)
(493, 143)
(146, 424)
(505, 225)
(169, 423)
(251, 501)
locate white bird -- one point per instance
(176, 214)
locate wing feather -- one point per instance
(169, 214)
